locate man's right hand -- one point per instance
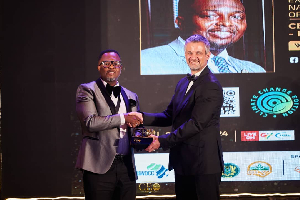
(132, 120)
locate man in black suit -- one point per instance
(194, 113)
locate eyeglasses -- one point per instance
(107, 64)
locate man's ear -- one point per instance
(179, 21)
(208, 55)
(98, 68)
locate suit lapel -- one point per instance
(111, 104)
(181, 97)
(128, 108)
(106, 96)
(185, 97)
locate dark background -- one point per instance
(48, 48)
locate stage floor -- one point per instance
(164, 197)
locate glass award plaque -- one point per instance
(140, 139)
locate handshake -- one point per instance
(133, 120)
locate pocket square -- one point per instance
(132, 102)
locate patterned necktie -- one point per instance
(221, 63)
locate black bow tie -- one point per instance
(113, 89)
(191, 77)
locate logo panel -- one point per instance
(259, 168)
(274, 101)
(250, 135)
(276, 135)
(231, 103)
(230, 170)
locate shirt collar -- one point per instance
(223, 54)
(181, 40)
(105, 83)
(198, 73)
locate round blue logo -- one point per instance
(274, 101)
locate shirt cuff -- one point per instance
(122, 119)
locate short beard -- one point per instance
(195, 69)
(110, 79)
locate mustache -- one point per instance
(223, 29)
(195, 59)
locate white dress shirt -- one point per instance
(123, 146)
(192, 82)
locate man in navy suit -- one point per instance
(222, 22)
(194, 113)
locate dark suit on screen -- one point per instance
(194, 142)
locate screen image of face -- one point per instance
(222, 22)
(226, 26)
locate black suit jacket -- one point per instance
(195, 143)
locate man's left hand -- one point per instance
(154, 145)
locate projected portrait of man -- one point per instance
(222, 22)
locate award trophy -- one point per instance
(140, 139)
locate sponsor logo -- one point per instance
(230, 170)
(297, 169)
(294, 59)
(149, 187)
(283, 135)
(249, 135)
(154, 169)
(259, 168)
(276, 135)
(295, 156)
(274, 101)
(294, 45)
(265, 135)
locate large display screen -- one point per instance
(239, 31)
(260, 39)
